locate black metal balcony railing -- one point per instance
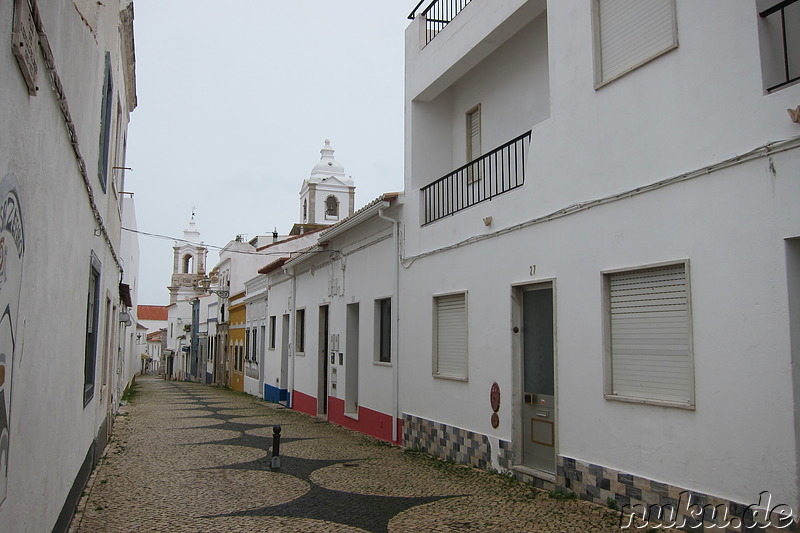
(791, 54)
(499, 171)
(437, 15)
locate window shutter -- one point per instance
(474, 134)
(632, 32)
(650, 334)
(451, 336)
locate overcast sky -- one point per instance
(235, 100)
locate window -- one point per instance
(105, 124)
(118, 178)
(254, 354)
(779, 41)
(331, 207)
(90, 350)
(272, 327)
(383, 330)
(649, 349)
(474, 133)
(238, 357)
(473, 141)
(629, 33)
(450, 336)
(305, 210)
(300, 331)
(247, 344)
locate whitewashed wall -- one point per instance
(51, 280)
(691, 108)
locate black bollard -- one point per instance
(275, 464)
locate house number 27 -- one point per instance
(533, 270)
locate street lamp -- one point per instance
(205, 284)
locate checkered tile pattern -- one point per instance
(592, 482)
(599, 484)
(447, 442)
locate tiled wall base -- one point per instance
(447, 442)
(681, 508)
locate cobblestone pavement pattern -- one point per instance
(188, 457)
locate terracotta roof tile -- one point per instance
(152, 312)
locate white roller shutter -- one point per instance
(650, 334)
(451, 336)
(632, 32)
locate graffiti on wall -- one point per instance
(12, 249)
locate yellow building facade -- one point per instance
(237, 315)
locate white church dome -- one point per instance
(327, 166)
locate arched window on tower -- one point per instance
(305, 210)
(188, 264)
(332, 207)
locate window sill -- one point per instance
(451, 378)
(382, 363)
(648, 401)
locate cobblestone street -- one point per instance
(189, 457)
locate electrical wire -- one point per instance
(219, 248)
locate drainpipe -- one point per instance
(396, 328)
(292, 333)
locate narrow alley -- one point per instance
(187, 457)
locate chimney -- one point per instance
(275, 235)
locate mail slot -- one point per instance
(543, 414)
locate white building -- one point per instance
(326, 197)
(68, 88)
(188, 265)
(188, 268)
(130, 340)
(332, 340)
(621, 319)
(155, 321)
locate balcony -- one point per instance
(497, 172)
(437, 15)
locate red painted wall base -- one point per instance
(371, 422)
(304, 403)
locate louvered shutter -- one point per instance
(451, 336)
(650, 334)
(474, 134)
(632, 32)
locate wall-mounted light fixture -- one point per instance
(205, 284)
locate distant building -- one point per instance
(154, 319)
(238, 345)
(327, 196)
(188, 265)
